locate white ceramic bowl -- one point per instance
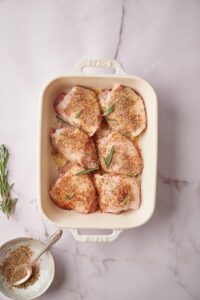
(72, 219)
(47, 270)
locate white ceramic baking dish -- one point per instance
(71, 219)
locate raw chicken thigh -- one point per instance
(118, 154)
(75, 146)
(117, 193)
(80, 107)
(73, 191)
(124, 110)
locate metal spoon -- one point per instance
(27, 269)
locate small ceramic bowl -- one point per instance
(47, 270)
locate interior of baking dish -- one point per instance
(73, 219)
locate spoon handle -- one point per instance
(53, 239)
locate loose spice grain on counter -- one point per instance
(17, 257)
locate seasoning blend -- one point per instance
(19, 256)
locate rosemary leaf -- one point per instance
(126, 200)
(109, 157)
(108, 110)
(105, 161)
(77, 115)
(7, 203)
(69, 196)
(83, 172)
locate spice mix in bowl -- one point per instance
(18, 252)
(20, 256)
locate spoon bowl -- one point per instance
(21, 274)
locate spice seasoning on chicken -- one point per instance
(16, 258)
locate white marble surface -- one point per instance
(158, 40)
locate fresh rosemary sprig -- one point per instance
(69, 196)
(7, 203)
(77, 115)
(108, 110)
(109, 157)
(83, 172)
(126, 200)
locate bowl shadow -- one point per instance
(60, 274)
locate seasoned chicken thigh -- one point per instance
(75, 146)
(73, 191)
(118, 154)
(124, 110)
(117, 193)
(80, 107)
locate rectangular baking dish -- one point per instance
(71, 219)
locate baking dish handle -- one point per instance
(95, 238)
(99, 63)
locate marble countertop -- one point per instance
(158, 40)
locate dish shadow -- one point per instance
(167, 185)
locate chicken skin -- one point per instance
(80, 107)
(75, 146)
(118, 154)
(117, 193)
(124, 110)
(74, 191)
